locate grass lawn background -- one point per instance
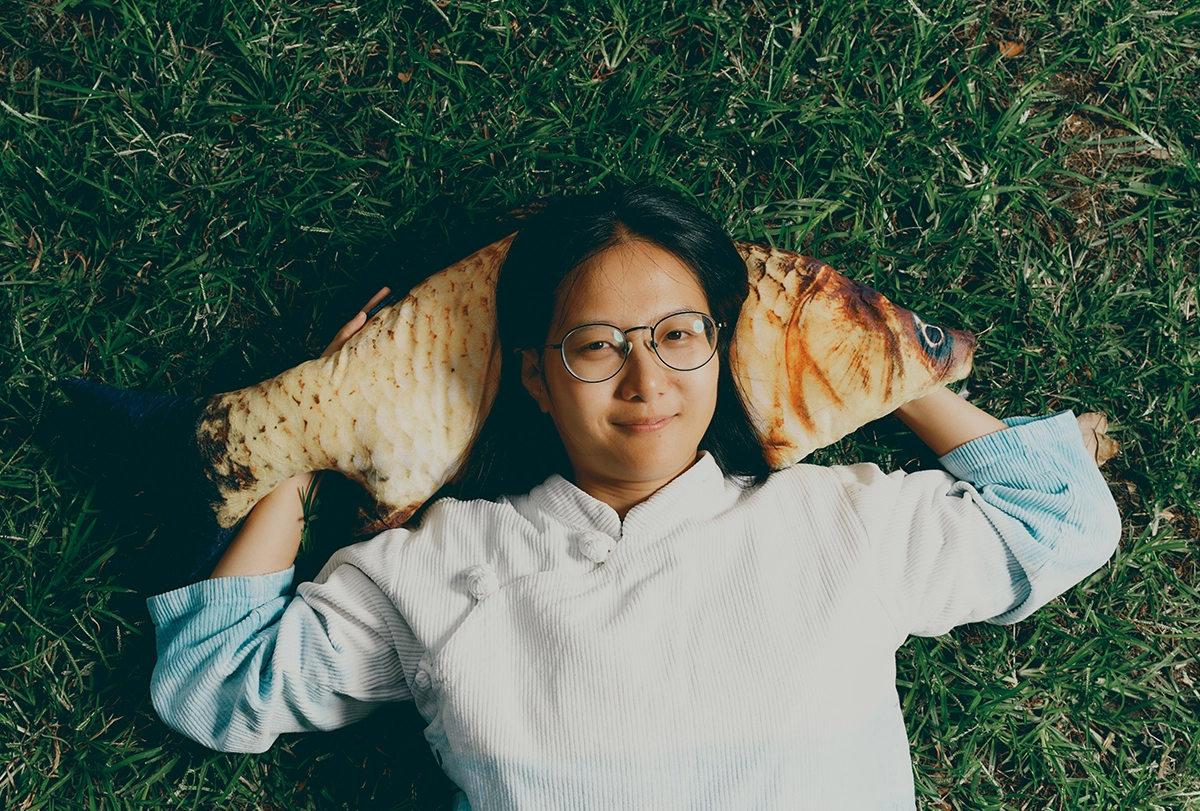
(192, 193)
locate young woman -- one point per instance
(624, 610)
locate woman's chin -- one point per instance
(657, 471)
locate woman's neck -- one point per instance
(624, 495)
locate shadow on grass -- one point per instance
(145, 503)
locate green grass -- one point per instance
(191, 194)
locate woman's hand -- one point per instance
(354, 324)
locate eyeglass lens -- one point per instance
(684, 341)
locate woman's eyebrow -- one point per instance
(666, 314)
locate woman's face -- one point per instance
(637, 431)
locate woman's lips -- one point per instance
(645, 426)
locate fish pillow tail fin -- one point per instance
(255, 438)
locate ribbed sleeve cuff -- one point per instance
(996, 457)
(237, 595)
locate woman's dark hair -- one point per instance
(518, 445)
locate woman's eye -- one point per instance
(597, 346)
(677, 335)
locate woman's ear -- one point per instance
(534, 381)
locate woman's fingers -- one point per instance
(344, 334)
(378, 297)
(353, 325)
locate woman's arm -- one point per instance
(240, 661)
(945, 421)
(270, 537)
(1023, 516)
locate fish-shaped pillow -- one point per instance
(815, 355)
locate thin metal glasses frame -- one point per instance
(628, 346)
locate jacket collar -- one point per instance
(697, 493)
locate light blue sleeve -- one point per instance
(1016, 518)
(239, 661)
(1039, 473)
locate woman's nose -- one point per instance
(644, 376)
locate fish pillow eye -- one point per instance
(815, 355)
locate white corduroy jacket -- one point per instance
(720, 648)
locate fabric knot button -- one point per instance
(596, 546)
(482, 581)
(422, 679)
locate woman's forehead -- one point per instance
(632, 281)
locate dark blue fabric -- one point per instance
(151, 414)
(155, 436)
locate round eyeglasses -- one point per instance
(594, 353)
